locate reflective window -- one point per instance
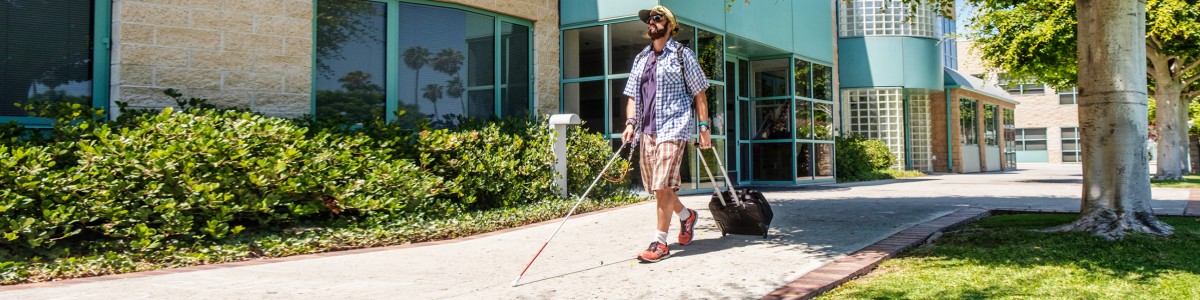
(989, 125)
(968, 121)
(447, 63)
(711, 55)
(804, 161)
(1020, 87)
(804, 120)
(770, 77)
(822, 82)
(824, 161)
(582, 48)
(1068, 96)
(1070, 145)
(772, 161)
(515, 76)
(1030, 139)
(586, 99)
(45, 53)
(822, 121)
(768, 119)
(803, 78)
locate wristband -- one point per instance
(703, 123)
(630, 121)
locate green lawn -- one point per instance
(999, 257)
(1188, 182)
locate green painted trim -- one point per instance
(771, 98)
(949, 136)
(497, 63)
(792, 112)
(586, 79)
(907, 130)
(29, 122)
(392, 68)
(598, 23)
(312, 76)
(101, 55)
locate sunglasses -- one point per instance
(656, 18)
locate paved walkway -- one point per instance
(593, 255)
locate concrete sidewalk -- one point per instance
(592, 257)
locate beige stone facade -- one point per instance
(1040, 110)
(257, 54)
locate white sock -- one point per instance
(684, 214)
(661, 237)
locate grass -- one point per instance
(1188, 182)
(83, 261)
(1001, 257)
(881, 175)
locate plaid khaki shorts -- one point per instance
(660, 163)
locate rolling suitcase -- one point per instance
(737, 212)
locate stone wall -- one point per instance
(257, 54)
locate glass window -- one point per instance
(439, 47)
(769, 119)
(824, 163)
(625, 42)
(719, 176)
(770, 77)
(515, 77)
(586, 99)
(351, 41)
(803, 78)
(822, 82)
(46, 53)
(716, 109)
(1067, 96)
(989, 125)
(772, 161)
(877, 114)
(920, 129)
(804, 120)
(618, 104)
(447, 63)
(822, 121)
(804, 161)
(967, 116)
(1020, 87)
(711, 54)
(1071, 151)
(582, 48)
(1030, 139)
(883, 17)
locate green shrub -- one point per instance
(859, 158)
(587, 153)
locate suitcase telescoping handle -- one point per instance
(717, 156)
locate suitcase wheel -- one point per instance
(721, 227)
(764, 229)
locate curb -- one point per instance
(863, 261)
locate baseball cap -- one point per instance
(644, 15)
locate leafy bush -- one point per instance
(587, 153)
(859, 158)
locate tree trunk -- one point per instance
(1112, 115)
(1171, 124)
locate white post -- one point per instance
(559, 124)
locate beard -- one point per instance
(656, 32)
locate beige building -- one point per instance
(1045, 129)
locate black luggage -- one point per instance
(737, 212)
(749, 214)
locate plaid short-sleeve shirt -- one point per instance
(679, 80)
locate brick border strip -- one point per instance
(861, 262)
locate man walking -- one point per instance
(664, 86)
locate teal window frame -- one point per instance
(1078, 151)
(1022, 139)
(1068, 97)
(394, 62)
(101, 67)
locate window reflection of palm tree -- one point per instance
(433, 92)
(449, 62)
(416, 58)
